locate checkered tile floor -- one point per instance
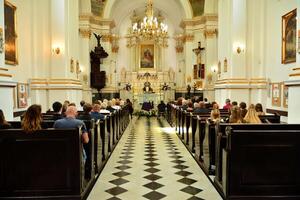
(150, 162)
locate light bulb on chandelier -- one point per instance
(150, 27)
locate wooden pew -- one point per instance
(98, 147)
(47, 164)
(270, 118)
(260, 161)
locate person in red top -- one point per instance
(227, 105)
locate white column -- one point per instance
(232, 36)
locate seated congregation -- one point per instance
(59, 154)
(246, 153)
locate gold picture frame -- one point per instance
(289, 37)
(1, 40)
(147, 56)
(22, 91)
(11, 53)
(285, 96)
(276, 94)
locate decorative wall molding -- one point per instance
(5, 75)
(3, 69)
(85, 33)
(242, 83)
(8, 83)
(92, 19)
(210, 33)
(200, 20)
(55, 84)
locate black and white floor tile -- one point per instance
(150, 162)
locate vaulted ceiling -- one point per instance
(172, 10)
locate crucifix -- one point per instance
(197, 51)
(199, 69)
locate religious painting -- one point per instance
(1, 40)
(289, 36)
(195, 71)
(285, 96)
(276, 94)
(298, 41)
(147, 56)
(10, 34)
(202, 71)
(22, 95)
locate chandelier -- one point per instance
(150, 27)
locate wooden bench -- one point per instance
(258, 161)
(46, 164)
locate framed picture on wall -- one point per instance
(289, 36)
(285, 96)
(11, 57)
(195, 71)
(22, 95)
(1, 40)
(276, 94)
(147, 56)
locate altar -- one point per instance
(148, 97)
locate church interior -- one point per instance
(148, 78)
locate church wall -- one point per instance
(275, 71)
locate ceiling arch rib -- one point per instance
(184, 6)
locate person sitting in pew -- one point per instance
(32, 119)
(251, 116)
(70, 121)
(95, 114)
(86, 115)
(259, 109)
(57, 108)
(215, 113)
(227, 105)
(109, 107)
(235, 116)
(201, 108)
(243, 107)
(103, 109)
(3, 123)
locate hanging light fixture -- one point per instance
(150, 27)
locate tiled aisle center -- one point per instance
(150, 162)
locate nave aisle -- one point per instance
(150, 162)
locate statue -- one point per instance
(188, 91)
(165, 86)
(98, 37)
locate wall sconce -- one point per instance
(56, 49)
(239, 48)
(78, 69)
(72, 65)
(214, 69)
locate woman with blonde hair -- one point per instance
(32, 120)
(251, 116)
(235, 116)
(215, 113)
